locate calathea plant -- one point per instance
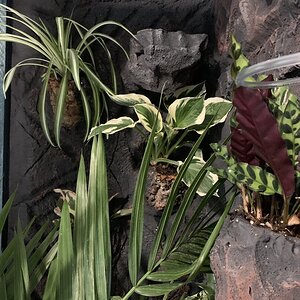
(189, 111)
(67, 60)
(263, 154)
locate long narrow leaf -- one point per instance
(80, 233)
(60, 107)
(171, 200)
(210, 242)
(65, 256)
(102, 241)
(87, 112)
(160, 289)
(137, 217)
(5, 210)
(42, 106)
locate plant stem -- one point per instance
(177, 143)
(259, 214)
(132, 290)
(245, 198)
(285, 211)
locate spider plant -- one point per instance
(64, 60)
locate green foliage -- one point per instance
(274, 171)
(63, 60)
(190, 113)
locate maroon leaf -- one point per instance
(259, 128)
(242, 148)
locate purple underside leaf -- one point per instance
(242, 148)
(259, 128)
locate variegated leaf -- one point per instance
(289, 125)
(147, 114)
(195, 166)
(130, 99)
(112, 126)
(216, 108)
(240, 60)
(255, 178)
(187, 112)
(222, 152)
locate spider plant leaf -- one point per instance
(149, 117)
(211, 240)
(60, 107)
(96, 99)
(256, 178)
(137, 216)
(8, 77)
(65, 256)
(42, 106)
(92, 31)
(93, 77)
(112, 126)
(130, 99)
(74, 65)
(61, 36)
(187, 112)
(86, 111)
(5, 210)
(159, 289)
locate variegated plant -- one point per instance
(190, 111)
(263, 153)
(64, 62)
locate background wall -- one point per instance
(265, 28)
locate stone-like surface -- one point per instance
(254, 263)
(159, 57)
(266, 29)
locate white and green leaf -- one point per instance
(194, 168)
(112, 126)
(130, 99)
(146, 114)
(216, 108)
(187, 112)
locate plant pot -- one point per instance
(73, 111)
(252, 262)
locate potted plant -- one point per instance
(186, 111)
(67, 59)
(262, 160)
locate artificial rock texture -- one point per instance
(266, 29)
(36, 168)
(254, 263)
(162, 60)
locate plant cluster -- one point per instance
(76, 254)
(66, 57)
(187, 110)
(263, 154)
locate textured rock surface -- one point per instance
(254, 263)
(159, 57)
(266, 29)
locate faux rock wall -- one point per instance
(36, 168)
